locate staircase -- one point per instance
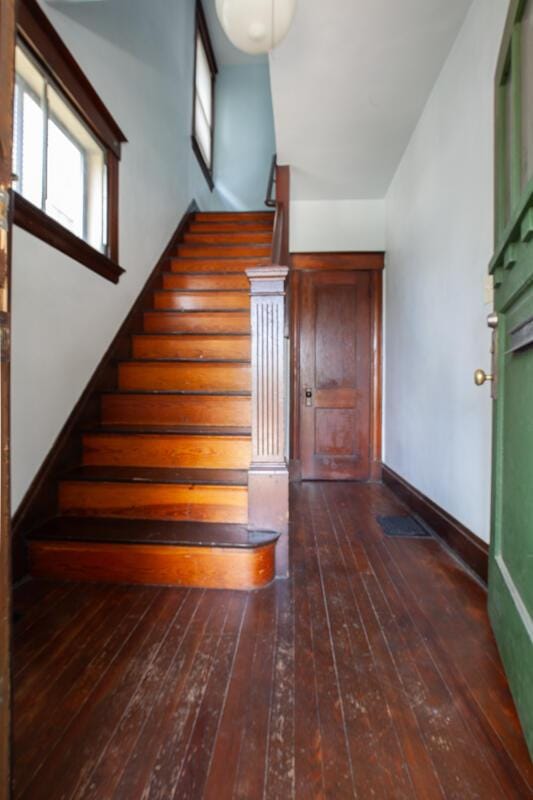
(160, 495)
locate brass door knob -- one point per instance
(481, 377)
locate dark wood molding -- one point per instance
(207, 173)
(39, 502)
(203, 30)
(376, 399)
(113, 206)
(469, 547)
(36, 30)
(7, 40)
(39, 224)
(364, 261)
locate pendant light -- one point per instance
(255, 26)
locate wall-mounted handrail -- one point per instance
(270, 200)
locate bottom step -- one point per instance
(209, 556)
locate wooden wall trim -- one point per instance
(364, 261)
(39, 503)
(376, 400)
(469, 547)
(39, 224)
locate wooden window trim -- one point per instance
(202, 29)
(32, 219)
(39, 36)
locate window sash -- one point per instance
(203, 98)
(97, 237)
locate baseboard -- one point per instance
(469, 547)
(39, 502)
(295, 470)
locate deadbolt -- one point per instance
(308, 397)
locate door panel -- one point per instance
(511, 553)
(335, 375)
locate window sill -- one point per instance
(32, 219)
(208, 175)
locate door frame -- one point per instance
(374, 263)
(7, 71)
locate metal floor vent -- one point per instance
(403, 527)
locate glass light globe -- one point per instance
(255, 26)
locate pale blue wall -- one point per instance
(244, 136)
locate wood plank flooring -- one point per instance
(371, 673)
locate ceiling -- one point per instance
(349, 84)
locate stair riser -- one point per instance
(219, 301)
(188, 410)
(201, 283)
(224, 504)
(230, 227)
(235, 216)
(185, 377)
(164, 450)
(197, 322)
(228, 238)
(157, 565)
(206, 347)
(229, 251)
(208, 265)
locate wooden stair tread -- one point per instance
(170, 360)
(185, 311)
(201, 477)
(179, 392)
(169, 430)
(192, 334)
(111, 530)
(201, 291)
(202, 216)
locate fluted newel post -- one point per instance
(268, 478)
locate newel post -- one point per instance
(268, 478)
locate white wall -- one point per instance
(244, 136)
(439, 244)
(139, 57)
(337, 226)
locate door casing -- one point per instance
(7, 68)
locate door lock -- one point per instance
(308, 397)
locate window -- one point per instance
(205, 71)
(66, 150)
(60, 166)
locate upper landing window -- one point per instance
(205, 70)
(66, 149)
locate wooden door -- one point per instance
(7, 35)
(511, 553)
(335, 375)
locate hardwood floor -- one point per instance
(371, 673)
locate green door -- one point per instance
(511, 554)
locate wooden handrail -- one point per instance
(270, 201)
(268, 477)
